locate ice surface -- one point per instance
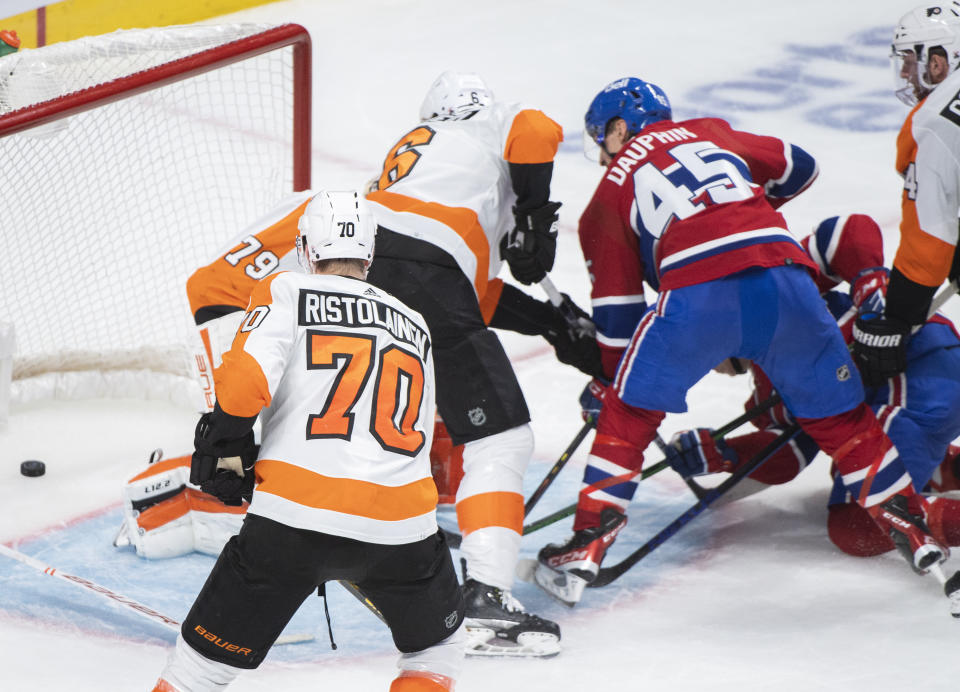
(751, 596)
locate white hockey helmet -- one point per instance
(335, 225)
(919, 30)
(454, 96)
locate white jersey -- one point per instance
(448, 182)
(928, 157)
(343, 373)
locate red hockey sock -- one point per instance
(781, 467)
(623, 432)
(943, 518)
(852, 530)
(947, 475)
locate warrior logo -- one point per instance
(843, 373)
(477, 416)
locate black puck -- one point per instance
(32, 467)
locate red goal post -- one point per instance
(127, 160)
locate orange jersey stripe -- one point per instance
(489, 299)
(502, 509)
(221, 283)
(906, 145)
(160, 467)
(533, 138)
(921, 257)
(346, 495)
(178, 505)
(241, 386)
(461, 220)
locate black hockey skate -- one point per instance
(909, 533)
(497, 625)
(563, 571)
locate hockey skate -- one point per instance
(497, 625)
(564, 571)
(909, 533)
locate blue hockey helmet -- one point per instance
(638, 102)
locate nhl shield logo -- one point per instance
(843, 373)
(477, 416)
(451, 620)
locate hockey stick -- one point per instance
(613, 572)
(557, 467)
(355, 591)
(455, 539)
(139, 608)
(943, 296)
(578, 325)
(717, 434)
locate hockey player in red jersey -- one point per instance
(342, 485)
(464, 190)
(926, 55)
(919, 409)
(690, 208)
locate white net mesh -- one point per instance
(104, 214)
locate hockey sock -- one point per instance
(943, 518)
(623, 432)
(947, 475)
(866, 459)
(852, 530)
(785, 464)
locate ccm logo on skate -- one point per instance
(572, 556)
(226, 646)
(897, 521)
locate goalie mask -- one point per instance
(638, 102)
(455, 96)
(335, 225)
(926, 28)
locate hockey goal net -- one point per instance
(126, 161)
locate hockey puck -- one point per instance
(32, 467)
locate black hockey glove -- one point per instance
(529, 249)
(223, 467)
(572, 337)
(879, 348)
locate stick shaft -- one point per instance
(139, 608)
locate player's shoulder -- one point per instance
(378, 294)
(705, 123)
(278, 284)
(940, 111)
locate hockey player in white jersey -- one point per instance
(462, 191)
(341, 375)
(926, 58)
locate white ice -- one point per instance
(750, 596)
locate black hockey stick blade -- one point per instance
(610, 574)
